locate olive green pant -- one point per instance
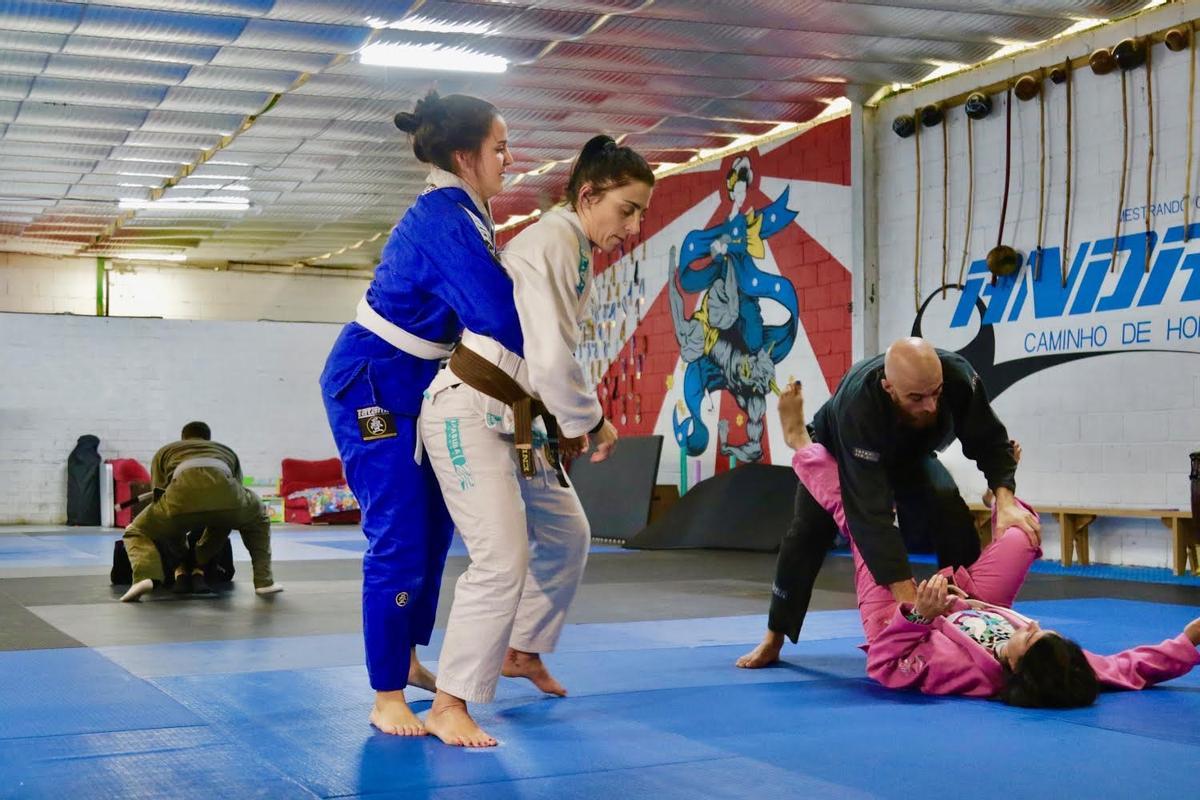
(200, 498)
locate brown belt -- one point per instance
(484, 376)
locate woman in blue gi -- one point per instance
(438, 273)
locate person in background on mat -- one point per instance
(523, 525)
(197, 484)
(888, 416)
(959, 635)
(438, 273)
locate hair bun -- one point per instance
(407, 121)
(601, 143)
(429, 110)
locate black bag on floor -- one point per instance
(219, 570)
(122, 570)
(83, 482)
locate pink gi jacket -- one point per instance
(938, 658)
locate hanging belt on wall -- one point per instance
(484, 376)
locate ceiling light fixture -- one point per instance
(431, 56)
(427, 25)
(205, 204)
(149, 256)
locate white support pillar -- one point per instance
(864, 268)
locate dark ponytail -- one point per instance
(441, 126)
(606, 165)
(1053, 673)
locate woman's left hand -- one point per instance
(932, 600)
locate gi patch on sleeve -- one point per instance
(375, 423)
(865, 455)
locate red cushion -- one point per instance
(128, 469)
(125, 471)
(297, 474)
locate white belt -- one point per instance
(398, 337)
(199, 462)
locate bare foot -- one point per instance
(391, 714)
(766, 654)
(519, 664)
(449, 721)
(419, 676)
(136, 591)
(1192, 631)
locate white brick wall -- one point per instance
(68, 285)
(1114, 430)
(135, 382)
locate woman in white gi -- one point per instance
(526, 534)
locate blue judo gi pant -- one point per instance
(372, 403)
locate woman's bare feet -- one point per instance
(391, 714)
(519, 664)
(419, 676)
(766, 654)
(449, 721)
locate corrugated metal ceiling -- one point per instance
(266, 100)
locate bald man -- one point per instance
(885, 423)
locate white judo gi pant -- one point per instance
(527, 539)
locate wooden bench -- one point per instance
(1074, 522)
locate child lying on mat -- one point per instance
(961, 636)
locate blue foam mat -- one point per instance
(131, 765)
(708, 779)
(73, 691)
(657, 710)
(1108, 572)
(346, 649)
(31, 549)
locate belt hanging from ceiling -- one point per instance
(1041, 182)
(917, 236)
(1149, 147)
(1112, 264)
(1187, 185)
(945, 202)
(962, 267)
(1066, 246)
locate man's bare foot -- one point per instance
(519, 664)
(144, 586)
(391, 714)
(419, 676)
(449, 721)
(766, 654)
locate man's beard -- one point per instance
(920, 420)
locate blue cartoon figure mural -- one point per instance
(725, 343)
